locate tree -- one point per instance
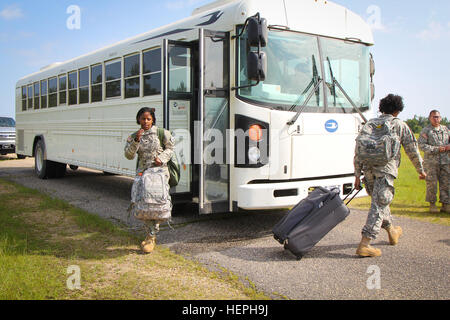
(418, 123)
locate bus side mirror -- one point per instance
(256, 66)
(257, 32)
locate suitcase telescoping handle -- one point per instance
(353, 195)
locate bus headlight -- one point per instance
(254, 154)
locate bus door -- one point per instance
(211, 151)
(178, 102)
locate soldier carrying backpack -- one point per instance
(157, 170)
(377, 157)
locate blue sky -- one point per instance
(412, 38)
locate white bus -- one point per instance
(301, 121)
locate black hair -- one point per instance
(434, 111)
(391, 104)
(144, 110)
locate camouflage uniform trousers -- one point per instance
(381, 189)
(151, 227)
(437, 173)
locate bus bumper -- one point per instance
(6, 148)
(285, 195)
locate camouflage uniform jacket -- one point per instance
(408, 142)
(429, 142)
(149, 148)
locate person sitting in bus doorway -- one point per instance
(154, 152)
(434, 142)
(379, 179)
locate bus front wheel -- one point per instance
(45, 168)
(41, 166)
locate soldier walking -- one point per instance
(434, 142)
(380, 171)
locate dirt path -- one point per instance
(417, 268)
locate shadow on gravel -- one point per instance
(279, 254)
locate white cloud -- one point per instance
(435, 31)
(11, 12)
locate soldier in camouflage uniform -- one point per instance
(151, 154)
(379, 180)
(434, 142)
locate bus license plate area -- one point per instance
(311, 189)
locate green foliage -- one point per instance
(41, 236)
(418, 123)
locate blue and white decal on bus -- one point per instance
(251, 148)
(331, 126)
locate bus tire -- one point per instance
(42, 167)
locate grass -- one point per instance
(40, 237)
(409, 200)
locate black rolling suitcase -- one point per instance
(311, 220)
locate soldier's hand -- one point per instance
(442, 149)
(158, 162)
(139, 135)
(357, 183)
(423, 176)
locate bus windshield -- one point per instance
(7, 122)
(295, 66)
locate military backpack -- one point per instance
(377, 143)
(174, 167)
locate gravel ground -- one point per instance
(418, 268)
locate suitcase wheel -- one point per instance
(299, 258)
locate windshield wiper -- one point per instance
(333, 85)
(333, 90)
(316, 81)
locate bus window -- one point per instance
(349, 65)
(24, 98)
(83, 76)
(44, 94)
(179, 69)
(152, 72)
(52, 92)
(132, 72)
(217, 57)
(293, 70)
(113, 72)
(36, 95)
(96, 81)
(62, 90)
(73, 84)
(30, 97)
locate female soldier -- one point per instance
(153, 156)
(379, 179)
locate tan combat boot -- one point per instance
(445, 208)
(365, 250)
(433, 208)
(394, 234)
(148, 245)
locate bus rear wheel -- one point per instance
(46, 169)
